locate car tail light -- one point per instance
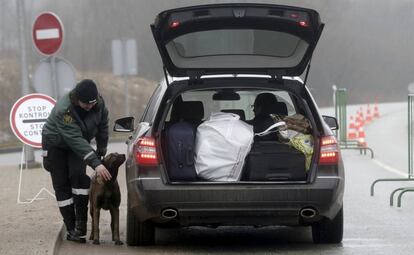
(145, 151)
(303, 24)
(329, 154)
(174, 24)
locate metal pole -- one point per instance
(21, 23)
(334, 89)
(334, 100)
(410, 135)
(344, 116)
(125, 75)
(22, 47)
(55, 88)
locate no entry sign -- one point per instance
(47, 33)
(28, 116)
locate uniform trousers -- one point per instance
(71, 185)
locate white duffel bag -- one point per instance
(222, 143)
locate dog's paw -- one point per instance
(96, 242)
(119, 242)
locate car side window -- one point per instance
(152, 105)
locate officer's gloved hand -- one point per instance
(101, 152)
(103, 172)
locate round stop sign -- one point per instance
(47, 33)
(27, 117)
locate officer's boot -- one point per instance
(74, 235)
(81, 207)
(68, 213)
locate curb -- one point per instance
(58, 240)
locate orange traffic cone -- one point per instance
(361, 119)
(361, 137)
(376, 111)
(351, 122)
(368, 117)
(352, 129)
(357, 118)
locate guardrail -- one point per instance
(410, 176)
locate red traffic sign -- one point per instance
(47, 33)
(28, 116)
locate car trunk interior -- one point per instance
(282, 156)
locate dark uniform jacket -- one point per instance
(65, 129)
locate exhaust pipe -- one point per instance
(169, 213)
(308, 213)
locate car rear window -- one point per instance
(219, 48)
(244, 105)
(236, 41)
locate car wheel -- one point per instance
(329, 231)
(139, 232)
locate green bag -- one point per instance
(304, 144)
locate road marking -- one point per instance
(389, 168)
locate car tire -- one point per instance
(139, 233)
(329, 231)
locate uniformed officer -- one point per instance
(76, 119)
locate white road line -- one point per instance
(389, 168)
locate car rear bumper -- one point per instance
(235, 204)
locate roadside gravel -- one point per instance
(27, 228)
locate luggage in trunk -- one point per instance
(222, 144)
(274, 161)
(180, 139)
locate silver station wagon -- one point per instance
(233, 72)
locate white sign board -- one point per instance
(28, 116)
(124, 57)
(411, 88)
(65, 77)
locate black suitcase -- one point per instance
(274, 161)
(180, 141)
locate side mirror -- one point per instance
(124, 124)
(332, 122)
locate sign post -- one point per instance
(27, 118)
(20, 4)
(47, 35)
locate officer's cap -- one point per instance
(86, 91)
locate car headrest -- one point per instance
(279, 108)
(265, 100)
(239, 112)
(192, 111)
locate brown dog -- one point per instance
(106, 195)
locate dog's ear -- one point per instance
(109, 160)
(119, 159)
